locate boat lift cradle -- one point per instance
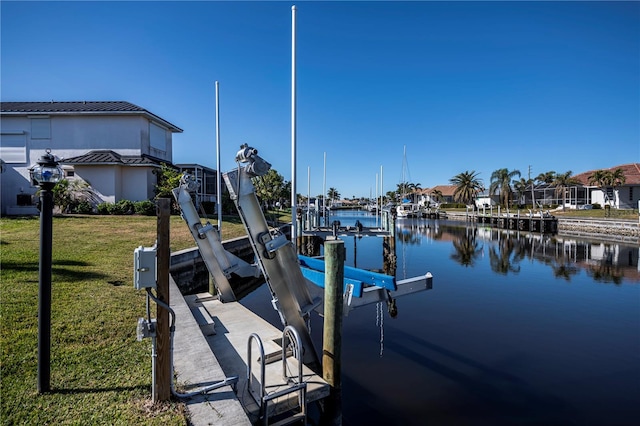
(220, 263)
(275, 254)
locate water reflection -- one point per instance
(518, 329)
(605, 262)
(467, 248)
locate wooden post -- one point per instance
(163, 362)
(332, 336)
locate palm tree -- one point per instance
(436, 195)
(599, 178)
(333, 194)
(405, 188)
(617, 178)
(520, 187)
(501, 183)
(562, 182)
(547, 178)
(467, 184)
(608, 179)
(402, 189)
(390, 196)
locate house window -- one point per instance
(158, 137)
(40, 128)
(13, 147)
(631, 193)
(69, 173)
(210, 185)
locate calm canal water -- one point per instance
(518, 329)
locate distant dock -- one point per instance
(544, 223)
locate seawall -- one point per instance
(610, 229)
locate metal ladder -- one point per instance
(296, 384)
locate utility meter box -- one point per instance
(144, 267)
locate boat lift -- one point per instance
(220, 263)
(296, 282)
(275, 254)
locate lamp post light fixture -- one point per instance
(47, 173)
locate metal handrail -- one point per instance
(260, 397)
(288, 335)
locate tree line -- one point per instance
(504, 183)
(273, 190)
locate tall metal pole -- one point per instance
(378, 202)
(381, 192)
(324, 191)
(218, 172)
(44, 290)
(308, 198)
(294, 204)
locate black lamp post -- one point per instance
(47, 173)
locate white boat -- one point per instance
(408, 210)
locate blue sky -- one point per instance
(463, 85)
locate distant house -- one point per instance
(207, 180)
(428, 195)
(625, 196)
(585, 194)
(486, 200)
(114, 146)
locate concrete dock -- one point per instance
(210, 344)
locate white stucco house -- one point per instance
(114, 146)
(625, 196)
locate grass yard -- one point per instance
(613, 214)
(100, 373)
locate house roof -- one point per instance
(446, 190)
(82, 108)
(631, 173)
(108, 157)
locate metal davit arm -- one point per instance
(274, 253)
(219, 262)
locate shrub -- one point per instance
(146, 208)
(122, 207)
(596, 206)
(83, 207)
(103, 208)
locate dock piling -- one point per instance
(332, 335)
(163, 364)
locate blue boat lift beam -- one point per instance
(362, 287)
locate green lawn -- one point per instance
(100, 374)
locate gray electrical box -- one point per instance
(144, 267)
